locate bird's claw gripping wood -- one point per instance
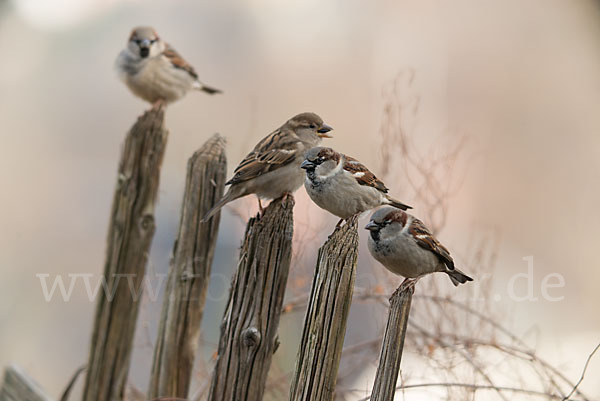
(284, 198)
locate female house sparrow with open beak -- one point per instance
(154, 71)
(272, 169)
(342, 185)
(404, 245)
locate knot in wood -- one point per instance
(122, 179)
(147, 222)
(251, 337)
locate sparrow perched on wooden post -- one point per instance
(272, 169)
(342, 185)
(154, 71)
(403, 244)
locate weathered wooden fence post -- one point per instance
(18, 386)
(327, 312)
(384, 387)
(189, 272)
(128, 243)
(251, 318)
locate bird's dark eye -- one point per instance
(321, 159)
(137, 41)
(153, 41)
(386, 222)
(313, 126)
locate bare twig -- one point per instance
(67, 391)
(475, 387)
(587, 362)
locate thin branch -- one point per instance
(475, 387)
(67, 391)
(587, 362)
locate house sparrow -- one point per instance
(404, 245)
(272, 169)
(154, 71)
(342, 185)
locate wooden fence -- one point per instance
(249, 329)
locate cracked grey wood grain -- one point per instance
(384, 387)
(320, 348)
(129, 237)
(251, 318)
(18, 386)
(189, 273)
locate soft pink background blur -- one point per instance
(520, 78)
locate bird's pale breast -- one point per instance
(402, 255)
(158, 80)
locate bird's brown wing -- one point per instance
(178, 62)
(362, 174)
(426, 240)
(276, 150)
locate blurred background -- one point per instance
(515, 84)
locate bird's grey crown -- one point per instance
(306, 118)
(143, 32)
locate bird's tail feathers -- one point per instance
(205, 88)
(228, 197)
(458, 277)
(395, 203)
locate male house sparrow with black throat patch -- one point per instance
(272, 169)
(403, 244)
(154, 71)
(342, 185)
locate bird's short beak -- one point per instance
(145, 48)
(322, 132)
(306, 165)
(372, 226)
